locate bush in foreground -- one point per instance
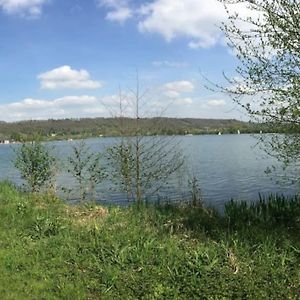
(36, 165)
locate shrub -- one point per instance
(85, 167)
(36, 165)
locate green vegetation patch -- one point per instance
(48, 130)
(49, 250)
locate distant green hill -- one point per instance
(92, 127)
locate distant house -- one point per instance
(6, 142)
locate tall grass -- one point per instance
(271, 211)
(49, 250)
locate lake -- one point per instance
(226, 167)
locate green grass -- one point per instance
(49, 250)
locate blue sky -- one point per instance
(62, 59)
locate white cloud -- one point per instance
(119, 15)
(184, 101)
(196, 20)
(75, 100)
(94, 111)
(91, 106)
(29, 103)
(216, 103)
(169, 64)
(28, 8)
(118, 10)
(67, 78)
(65, 107)
(171, 94)
(112, 99)
(176, 88)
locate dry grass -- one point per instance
(85, 216)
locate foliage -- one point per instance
(85, 166)
(270, 212)
(267, 84)
(53, 251)
(36, 165)
(196, 193)
(121, 161)
(86, 128)
(141, 164)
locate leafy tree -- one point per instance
(36, 165)
(121, 160)
(141, 164)
(16, 136)
(85, 167)
(267, 45)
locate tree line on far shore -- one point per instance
(94, 127)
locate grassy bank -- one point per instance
(49, 250)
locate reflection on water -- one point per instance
(227, 166)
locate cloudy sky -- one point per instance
(71, 58)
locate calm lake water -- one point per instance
(227, 166)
